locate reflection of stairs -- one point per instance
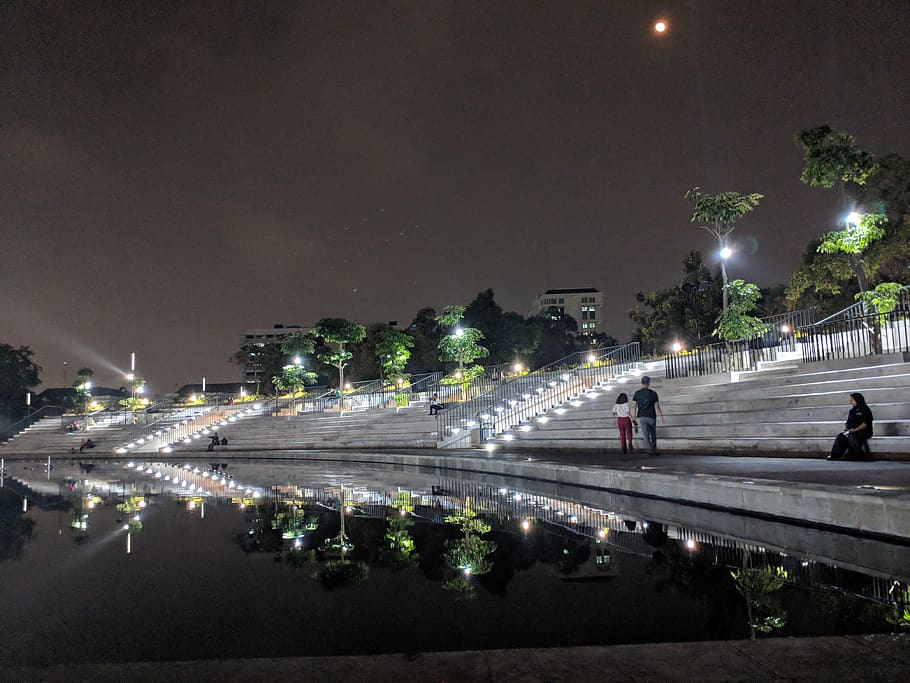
(779, 410)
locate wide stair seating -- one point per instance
(784, 408)
(528, 396)
(410, 427)
(48, 436)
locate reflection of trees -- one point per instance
(899, 614)
(399, 549)
(764, 609)
(469, 554)
(674, 568)
(15, 528)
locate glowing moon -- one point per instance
(660, 27)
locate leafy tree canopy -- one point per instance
(831, 157)
(340, 331)
(18, 375)
(737, 322)
(717, 213)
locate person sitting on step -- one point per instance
(435, 405)
(853, 442)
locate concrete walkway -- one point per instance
(851, 658)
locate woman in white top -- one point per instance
(623, 422)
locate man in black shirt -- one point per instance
(645, 409)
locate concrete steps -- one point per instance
(382, 428)
(787, 409)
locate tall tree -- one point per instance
(426, 332)
(18, 375)
(718, 213)
(685, 312)
(393, 350)
(82, 386)
(832, 158)
(462, 344)
(266, 359)
(340, 332)
(737, 322)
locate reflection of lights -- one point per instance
(525, 428)
(131, 464)
(573, 519)
(543, 419)
(490, 446)
(508, 437)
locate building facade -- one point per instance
(266, 335)
(584, 304)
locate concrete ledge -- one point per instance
(851, 658)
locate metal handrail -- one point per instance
(24, 423)
(524, 397)
(867, 335)
(858, 309)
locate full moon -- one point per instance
(660, 27)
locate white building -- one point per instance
(585, 304)
(267, 335)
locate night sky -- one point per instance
(172, 173)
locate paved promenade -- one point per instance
(852, 658)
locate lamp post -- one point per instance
(725, 253)
(86, 388)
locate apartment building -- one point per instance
(585, 304)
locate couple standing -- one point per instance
(645, 408)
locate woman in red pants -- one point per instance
(623, 422)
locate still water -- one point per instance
(171, 561)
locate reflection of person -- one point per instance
(645, 409)
(623, 422)
(435, 405)
(853, 441)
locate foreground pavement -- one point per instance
(849, 658)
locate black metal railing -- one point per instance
(512, 401)
(742, 355)
(736, 356)
(19, 426)
(856, 337)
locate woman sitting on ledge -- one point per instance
(853, 441)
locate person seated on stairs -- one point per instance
(853, 442)
(435, 405)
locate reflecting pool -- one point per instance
(194, 560)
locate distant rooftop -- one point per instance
(581, 290)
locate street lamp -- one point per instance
(725, 253)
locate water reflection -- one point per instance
(550, 565)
